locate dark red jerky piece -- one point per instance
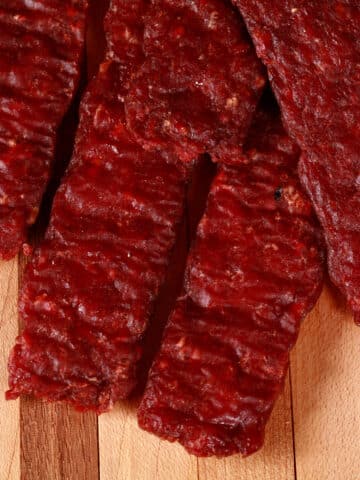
(264, 213)
(199, 393)
(200, 83)
(40, 49)
(254, 272)
(89, 290)
(312, 52)
(338, 212)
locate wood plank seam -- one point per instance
(292, 421)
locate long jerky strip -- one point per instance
(88, 292)
(40, 52)
(199, 85)
(312, 51)
(254, 272)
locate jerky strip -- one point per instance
(200, 83)
(312, 51)
(254, 272)
(40, 49)
(89, 291)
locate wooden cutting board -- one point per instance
(314, 432)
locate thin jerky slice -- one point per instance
(254, 272)
(200, 83)
(40, 49)
(89, 290)
(312, 51)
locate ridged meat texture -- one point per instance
(312, 51)
(89, 290)
(40, 49)
(254, 272)
(200, 83)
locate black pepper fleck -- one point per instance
(278, 193)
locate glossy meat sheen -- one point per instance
(254, 272)
(40, 50)
(89, 291)
(312, 51)
(200, 83)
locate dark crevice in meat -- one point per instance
(253, 273)
(66, 133)
(197, 193)
(203, 175)
(41, 47)
(63, 152)
(164, 305)
(312, 52)
(95, 36)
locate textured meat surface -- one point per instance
(200, 83)
(124, 28)
(40, 50)
(312, 51)
(253, 273)
(88, 292)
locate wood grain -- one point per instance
(9, 411)
(136, 455)
(326, 393)
(57, 443)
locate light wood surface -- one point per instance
(136, 455)
(9, 411)
(326, 393)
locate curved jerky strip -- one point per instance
(88, 292)
(40, 49)
(200, 83)
(312, 51)
(254, 272)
